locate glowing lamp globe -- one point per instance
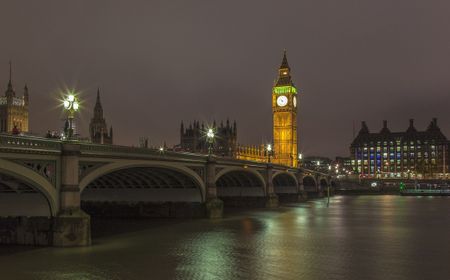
(210, 133)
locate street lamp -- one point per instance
(210, 136)
(300, 157)
(71, 105)
(269, 152)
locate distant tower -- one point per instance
(97, 127)
(13, 110)
(284, 109)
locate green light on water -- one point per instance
(284, 89)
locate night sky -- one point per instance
(158, 62)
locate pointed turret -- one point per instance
(25, 95)
(284, 62)
(98, 128)
(284, 73)
(98, 109)
(10, 90)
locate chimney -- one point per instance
(385, 124)
(411, 122)
(435, 122)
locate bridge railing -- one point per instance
(29, 142)
(137, 151)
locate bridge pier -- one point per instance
(72, 226)
(213, 205)
(302, 195)
(271, 197)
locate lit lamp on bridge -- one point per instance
(269, 152)
(210, 136)
(71, 105)
(300, 157)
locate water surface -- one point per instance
(357, 237)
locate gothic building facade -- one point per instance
(284, 114)
(193, 138)
(284, 110)
(407, 154)
(14, 110)
(98, 129)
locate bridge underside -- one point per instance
(309, 184)
(240, 183)
(143, 184)
(143, 192)
(18, 198)
(241, 189)
(286, 188)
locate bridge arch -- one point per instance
(323, 183)
(20, 185)
(238, 181)
(154, 181)
(309, 183)
(333, 184)
(284, 182)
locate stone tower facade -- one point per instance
(284, 109)
(14, 110)
(98, 129)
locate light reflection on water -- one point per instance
(361, 237)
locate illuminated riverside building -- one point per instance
(284, 111)
(409, 154)
(193, 138)
(14, 110)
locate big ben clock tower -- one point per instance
(284, 109)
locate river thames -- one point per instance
(356, 237)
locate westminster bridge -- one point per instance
(46, 184)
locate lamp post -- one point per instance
(300, 157)
(269, 151)
(210, 136)
(71, 105)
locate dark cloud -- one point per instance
(158, 62)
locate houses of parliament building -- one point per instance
(14, 109)
(284, 112)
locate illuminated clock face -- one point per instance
(295, 101)
(282, 101)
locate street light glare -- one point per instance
(269, 147)
(66, 104)
(76, 106)
(210, 133)
(71, 97)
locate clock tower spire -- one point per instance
(284, 110)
